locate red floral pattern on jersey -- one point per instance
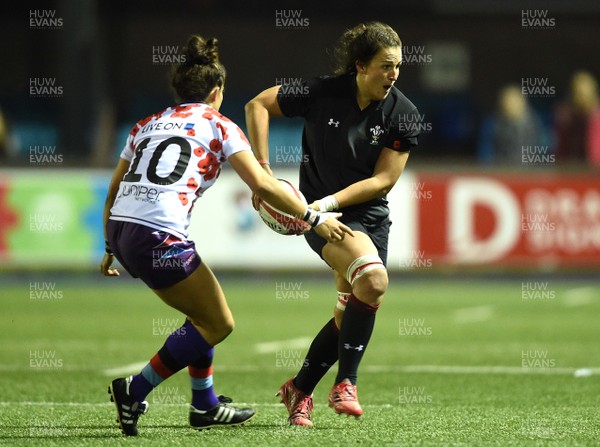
(192, 183)
(158, 115)
(183, 198)
(199, 151)
(182, 112)
(223, 131)
(213, 174)
(134, 130)
(218, 114)
(141, 123)
(215, 145)
(242, 136)
(209, 166)
(212, 139)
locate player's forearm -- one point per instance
(265, 186)
(363, 191)
(105, 220)
(273, 193)
(258, 113)
(257, 123)
(388, 170)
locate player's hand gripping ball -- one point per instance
(281, 222)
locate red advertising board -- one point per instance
(530, 219)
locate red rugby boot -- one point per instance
(298, 404)
(343, 399)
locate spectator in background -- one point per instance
(245, 215)
(513, 126)
(8, 147)
(578, 122)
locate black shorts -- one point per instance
(378, 229)
(156, 257)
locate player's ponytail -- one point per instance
(201, 52)
(361, 43)
(200, 72)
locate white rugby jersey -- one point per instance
(175, 156)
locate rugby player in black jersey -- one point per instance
(355, 145)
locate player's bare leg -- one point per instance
(368, 288)
(355, 259)
(344, 290)
(209, 321)
(201, 298)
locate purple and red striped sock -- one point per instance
(182, 348)
(201, 378)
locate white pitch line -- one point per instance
(455, 369)
(260, 348)
(473, 314)
(125, 369)
(368, 369)
(64, 368)
(274, 346)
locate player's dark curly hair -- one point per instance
(194, 79)
(361, 43)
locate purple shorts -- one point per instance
(156, 257)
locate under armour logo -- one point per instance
(356, 348)
(333, 123)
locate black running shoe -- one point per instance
(128, 410)
(222, 414)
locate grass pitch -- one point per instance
(466, 362)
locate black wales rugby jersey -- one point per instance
(341, 143)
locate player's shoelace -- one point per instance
(345, 392)
(303, 408)
(225, 399)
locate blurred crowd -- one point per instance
(515, 131)
(514, 135)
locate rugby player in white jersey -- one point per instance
(169, 160)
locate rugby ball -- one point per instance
(280, 222)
